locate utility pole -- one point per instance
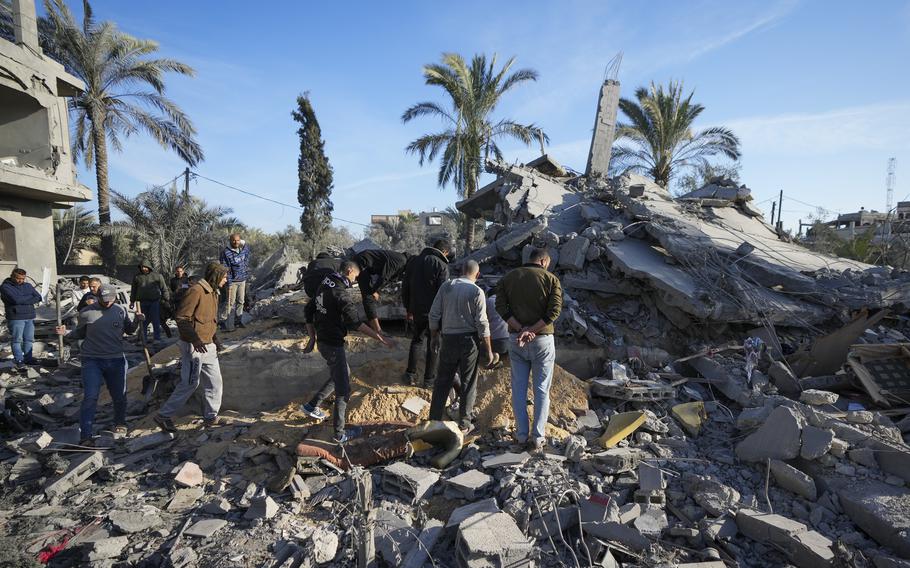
(773, 210)
(780, 209)
(186, 183)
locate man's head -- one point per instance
(216, 275)
(144, 267)
(540, 257)
(236, 240)
(470, 270)
(443, 246)
(83, 282)
(94, 284)
(179, 272)
(18, 275)
(107, 295)
(350, 270)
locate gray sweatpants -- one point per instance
(236, 297)
(196, 368)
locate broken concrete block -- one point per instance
(818, 397)
(575, 448)
(26, 468)
(491, 539)
(420, 553)
(784, 379)
(713, 496)
(793, 480)
(465, 511)
(778, 438)
(616, 532)
(184, 499)
(80, 469)
(552, 522)
(468, 484)
(815, 442)
(415, 405)
(652, 522)
(105, 548)
(881, 511)
(573, 252)
(507, 459)
(805, 548)
(629, 512)
(864, 457)
(217, 506)
(753, 417)
(599, 507)
(36, 441)
(325, 546)
(408, 482)
(134, 521)
(650, 477)
(205, 528)
(839, 447)
(616, 460)
(299, 489)
(189, 475)
(262, 508)
(149, 441)
(860, 417)
(721, 528)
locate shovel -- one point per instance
(149, 382)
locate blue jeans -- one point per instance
(22, 334)
(537, 358)
(113, 373)
(152, 311)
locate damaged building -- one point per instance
(37, 174)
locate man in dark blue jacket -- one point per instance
(330, 314)
(424, 275)
(236, 257)
(19, 299)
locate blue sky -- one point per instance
(818, 91)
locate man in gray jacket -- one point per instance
(101, 326)
(459, 313)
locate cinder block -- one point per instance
(408, 482)
(80, 469)
(491, 539)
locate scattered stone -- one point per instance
(650, 477)
(616, 532)
(80, 469)
(881, 510)
(420, 553)
(816, 442)
(507, 459)
(793, 480)
(864, 457)
(134, 521)
(860, 417)
(804, 547)
(845, 469)
(839, 447)
(713, 496)
(415, 405)
(262, 508)
(105, 548)
(778, 438)
(217, 506)
(325, 546)
(468, 484)
(575, 448)
(205, 528)
(652, 522)
(189, 475)
(408, 482)
(184, 499)
(818, 397)
(491, 539)
(299, 489)
(36, 441)
(148, 441)
(461, 513)
(616, 460)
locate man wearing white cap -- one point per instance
(101, 327)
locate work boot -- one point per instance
(165, 423)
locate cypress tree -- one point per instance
(314, 173)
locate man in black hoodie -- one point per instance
(424, 274)
(324, 264)
(377, 268)
(330, 314)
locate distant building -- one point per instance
(849, 226)
(430, 220)
(37, 173)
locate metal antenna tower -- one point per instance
(889, 184)
(611, 73)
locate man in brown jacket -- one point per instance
(197, 321)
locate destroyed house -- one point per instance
(37, 173)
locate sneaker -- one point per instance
(165, 423)
(211, 423)
(537, 446)
(120, 430)
(313, 413)
(349, 434)
(21, 367)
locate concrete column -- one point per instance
(25, 24)
(604, 129)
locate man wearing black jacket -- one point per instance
(377, 268)
(316, 271)
(329, 316)
(424, 274)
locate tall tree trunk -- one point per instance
(99, 142)
(469, 191)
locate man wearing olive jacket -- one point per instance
(529, 299)
(197, 322)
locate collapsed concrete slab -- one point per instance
(881, 510)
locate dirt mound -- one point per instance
(378, 395)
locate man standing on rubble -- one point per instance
(19, 299)
(101, 328)
(329, 316)
(149, 291)
(459, 314)
(529, 299)
(197, 322)
(377, 268)
(236, 257)
(423, 276)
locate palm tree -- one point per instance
(660, 134)
(73, 231)
(124, 95)
(171, 227)
(470, 134)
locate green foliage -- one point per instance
(658, 138)
(170, 228)
(124, 95)
(314, 174)
(75, 231)
(470, 132)
(406, 234)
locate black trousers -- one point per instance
(431, 363)
(458, 353)
(339, 382)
